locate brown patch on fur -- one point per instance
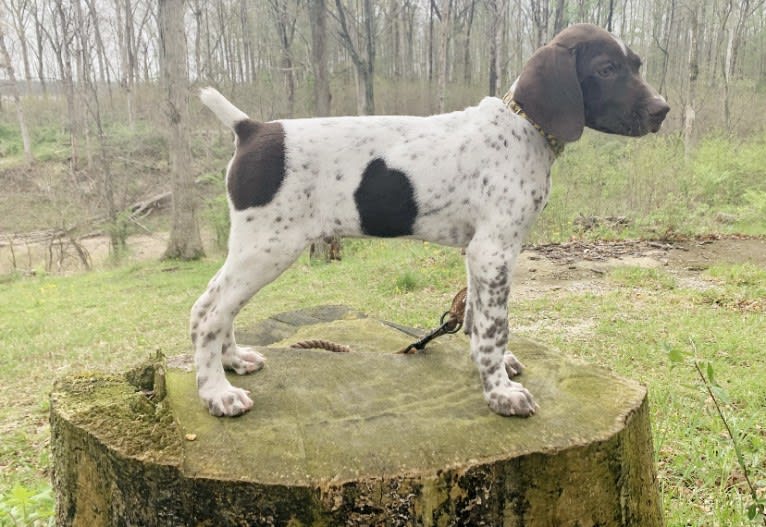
(258, 167)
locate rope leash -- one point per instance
(451, 321)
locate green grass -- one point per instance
(112, 319)
(633, 329)
(720, 188)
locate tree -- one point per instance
(496, 11)
(322, 97)
(323, 249)
(8, 66)
(185, 241)
(691, 92)
(444, 14)
(285, 23)
(363, 61)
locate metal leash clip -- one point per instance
(451, 322)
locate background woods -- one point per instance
(274, 53)
(97, 95)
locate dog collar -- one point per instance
(553, 142)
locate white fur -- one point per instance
(480, 177)
(476, 179)
(221, 107)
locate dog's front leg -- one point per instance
(489, 275)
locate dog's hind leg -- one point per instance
(212, 318)
(489, 268)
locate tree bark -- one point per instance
(443, 66)
(693, 68)
(318, 14)
(63, 44)
(329, 249)
(8, 66)
(496, 10)
(364, 62)
(285, 24)
(185, 242)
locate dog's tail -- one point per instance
(229, 114)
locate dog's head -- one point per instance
(588, 77)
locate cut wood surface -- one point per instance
(368, 437)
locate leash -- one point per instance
(322, 345)
(450, 322)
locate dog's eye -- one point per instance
(606, 71)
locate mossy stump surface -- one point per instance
(363, 438)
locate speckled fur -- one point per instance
(498, 161)
(476, 179)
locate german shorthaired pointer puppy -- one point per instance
(475, 179)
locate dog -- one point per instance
(474, 179)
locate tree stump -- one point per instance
(368, 437)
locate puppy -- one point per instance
(474, 179)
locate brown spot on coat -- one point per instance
(258, 167)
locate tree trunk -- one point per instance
(65, 64)
(38, 13)
(8, 66)
(494, 43)
(467, 66)
(185, 241)
(691, 92)
(326, 250)
(443, 66)
(365, 66)
(286, 29)
(319, 55)
(414, 444)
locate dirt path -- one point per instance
(541, 270)
(583, 266)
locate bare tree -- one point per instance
(285, 23)
(19, 11)
(61, 40)
(185, 241)
(38, 13)
(445, 16)
(364, 61)
(470, 12)
(691, 92)
(322, 98)
(8, 66)
(496, 10)
(329, 249)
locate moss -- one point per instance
(119, 415)
(369, 437)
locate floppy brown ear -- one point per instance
(549, 92)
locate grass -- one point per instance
(720, 188)
(111, 319)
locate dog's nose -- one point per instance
(658, 108)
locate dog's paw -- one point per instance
(511, 399)
(243, 360)
(513, 365)
(226, 400)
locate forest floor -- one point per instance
(625, 305)
(583, 266)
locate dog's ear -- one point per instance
(548, 90)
